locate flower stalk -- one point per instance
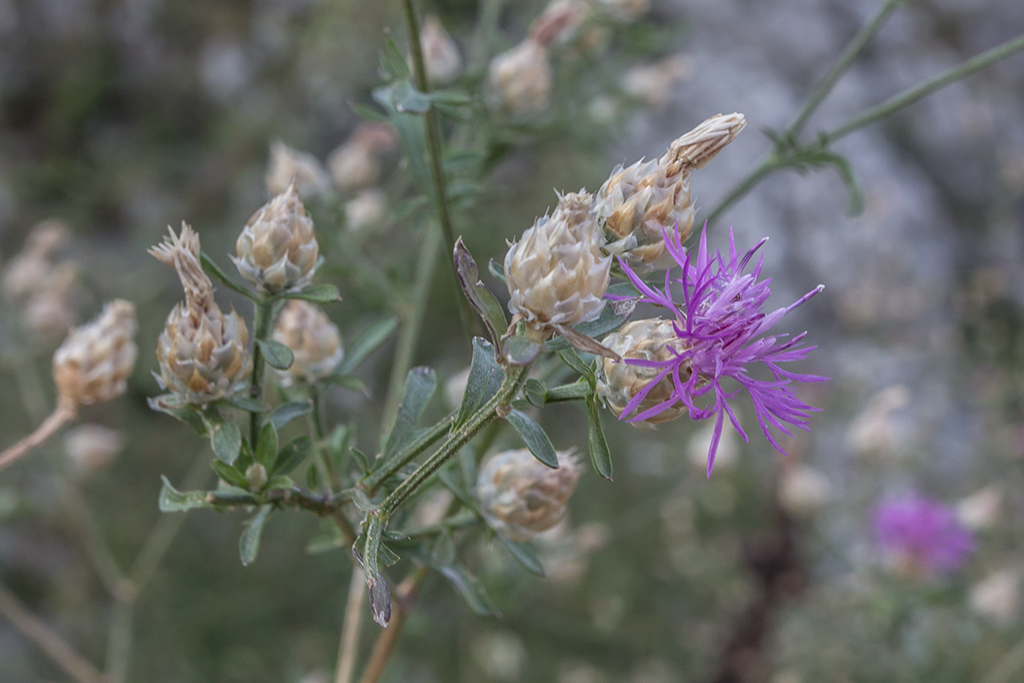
(262, 312)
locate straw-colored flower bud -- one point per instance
(636, 204)
(559, 22)
(617, 383)
(313, 339)
(288, 165)
(519, 80)
(91, 447)
(521, 497)
(31, 270)
(277, 249)
(440, 54)
(202, 352)
(555, 274)
(367, 211)
(94, 362)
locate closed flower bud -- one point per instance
(94, 362)
(440, 54)
(256, 477)
(288, 165)
(519, 81)
(277, 249)
(555, 274)
(202, 352)
(652, 339)
(313, 339)
(636, 204)
(521, 497)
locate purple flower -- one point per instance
(723, 332)
(922, 536)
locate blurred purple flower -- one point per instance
(922, 536)
(724, 331)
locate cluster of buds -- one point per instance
(519, 80)
(556, 274)
(637, 204)
(289, 166)
(520, 497)
(355, 165)
(40, 285)
(277, 250)
(314, 340)
(202, 353)
(440, 54)
(93, 363)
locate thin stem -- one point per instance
(64, 413)
(853, 49)
(407, 454)
(35, 630)
(260, 327)
(103, 561)
(388, 638)
(767, 165)
(315, 423)
(119, 641)
(349, 646)
(912, 95)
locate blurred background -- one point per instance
(120, 117)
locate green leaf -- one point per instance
(245, 403)
(448, 481)
(286, 412)
(318, 294)
(380, 596)
(173, 500)
(277, 355)
(577, 391)
(229, 474)
(470, 590)
(366, 343)
(522, 554)
(409, 100)
(226, 440)
(249, 543)
(479, 296)
(600, 454)
(485, 378)
(534, 437)
(420, 384)
(573, 360)
(213, 269)
(266, 444)
(497, 270)
(393, 61)
(291, 456)
(518, 350)
(368, 113)
(184, 412)
(350, 382)
(362, 459)
(535, 392)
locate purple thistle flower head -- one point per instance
(922, 536)
(722, 333)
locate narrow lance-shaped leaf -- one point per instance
(277, 355)
(226, 441)
(249, 543)
(479, 296)
(173, 500)
(485, 377)
(366, 343)
(522, 554)
(420, 384)
(286, 412)
(266, 446)
(317, 294)
(600, 454)
(534, 437)
(229, 474)
(380, 595)
(291, 456)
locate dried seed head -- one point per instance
(555, 274)
(440, 54)
(288, 165)
(637, 203)
(202, 352)
(559, 22)
(519, 80)
(94, 362)
(277, 249)
(91, 447)
(617, 383)
(313, 339)
(521, 497)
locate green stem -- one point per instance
(260, 326)
(912, 95)
(315, 422)
(577, 391)
(458, 438)
(321, 504)
(853, 49)
(119, 642)
(766, 167)
(403, 457)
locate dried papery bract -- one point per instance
(314, 340)
(440, 54)
(520, 497)
(617, 382)
(202, 352)
(556, 275)
(637, 204)
(288, 165)
(277, 249)
(94, 362)
(519, 80)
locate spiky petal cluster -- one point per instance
(94, 362)
(521, 497)
(202, 352)
(314, 340)
(636, 204)
(555, 274)
(277, 249)
(723, 333)
(921, 536)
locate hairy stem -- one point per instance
(407, 455)
(64, 413)
(261, 328)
